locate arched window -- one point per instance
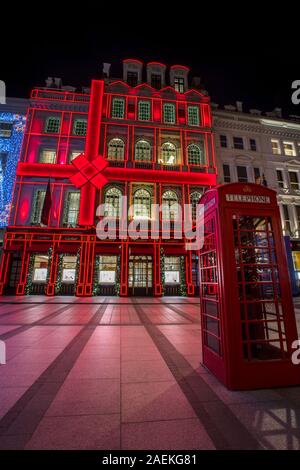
(112, 202)
(195, 196)
(116, 149)
(142, 204)
(143, 151)
(168, 154)
(195, 155)
(169, 205)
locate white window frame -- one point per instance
(277, 150)
(291, 152)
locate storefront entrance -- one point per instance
(140, 275)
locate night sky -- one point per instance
(235, 61)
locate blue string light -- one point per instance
(11, 146)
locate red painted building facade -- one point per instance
(147, 139)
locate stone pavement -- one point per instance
(125, 373)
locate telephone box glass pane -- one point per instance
(209, 288)
(262, 322)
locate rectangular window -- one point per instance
(172, 270)
(253, 145)
(257, 178)
(156, 81)
(80, 127)
(169, 113)
(40, 267)
(286, 219)
(242, 174)
(289, 149)
(132, 78)
(144, 110)
(6, 129)
(223, 141)
(37, 206)
(118, 108)
(275, 147)
(107, 269)
(52, 125)
(47, 156)
(238, 143)
(226, 173)
(179, 84)
(68, 269)
(293, 175)
(71, 208)
(280, 179)
(74, 154)
(193, 116)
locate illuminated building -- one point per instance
(149, 140)
(264, 148)
(12, 125)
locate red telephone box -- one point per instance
(247, 315)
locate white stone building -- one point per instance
(263, 148)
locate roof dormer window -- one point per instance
(156, 75)
(179, 78)
(132, 71)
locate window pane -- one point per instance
(196, 154)
(142, 204)
(38, 203)
(193, 115)
(156, 81)
(69, 269)
(132, 78)
(47, 156)
(169, 113)
(52, 125)
(238, 143)
(170, 205)
(6, 129)
(40, 268)
(80, 127)
(107, 269)
(223, 141)
(172, 269)
(143, 151)
(275, 147)
(72, 208)
(118, 108)
(242, 174)
(168, 154)
(116, 149)
(289, 149)
(112, 202)
(226, 173)
(179, 84)
(144, 110)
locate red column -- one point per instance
(189, 273)
(88, 192)
(24, 272)
(4, 269)
(156, 269)
(124, 270)
(86, 268)
(50, 288)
